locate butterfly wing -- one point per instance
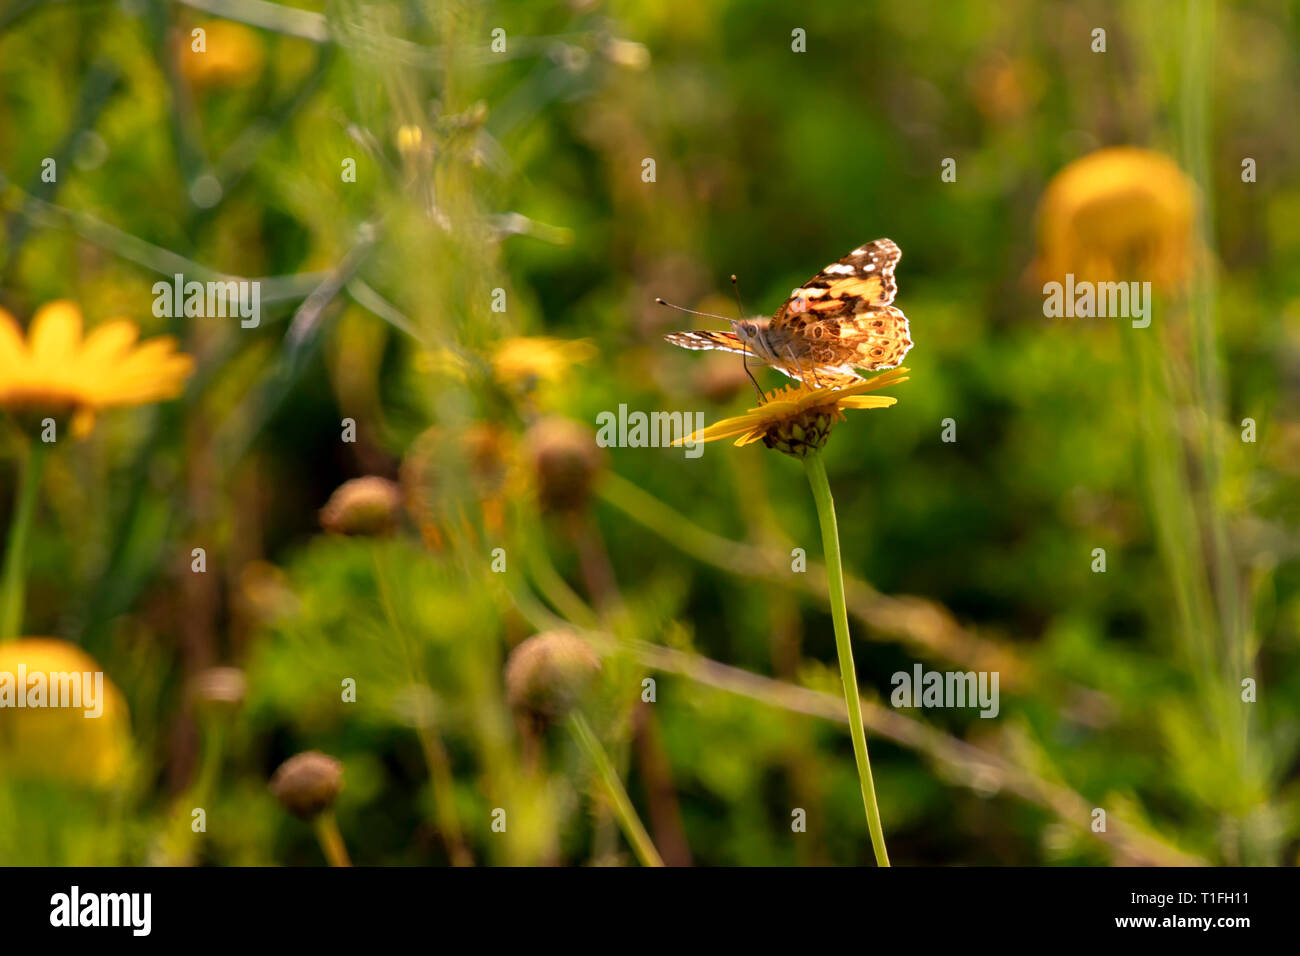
(879, 339)
(861, 281)
(843, 316)
(722, 341)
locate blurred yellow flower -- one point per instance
(519, 363)
(410, 139)
(1120, 213)
(231, 55)
(798, 418)
(60, 743)
(56, 372)
(529, 359)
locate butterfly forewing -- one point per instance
(862, 280)
(706, 339)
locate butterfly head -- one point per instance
(753, 334)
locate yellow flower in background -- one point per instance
(1120, 213)
(410, 139)
(798, 418)
(526, 360)
(56, 372)
(60, 743)
(520, 363)
(231, 55)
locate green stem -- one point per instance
(14, 580)
(435, 754)
(633, 829)
(821, 490)
(331, 840)
(555, 589)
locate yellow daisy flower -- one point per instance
(232, 55)
(519, 363)
(798, 419)
(1118, 214)
(56, 372)
(87, 744)
(529, 359)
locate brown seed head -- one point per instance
(566, 461)
(307, 784)
(363, 506)
(548, 673)
(220, 687)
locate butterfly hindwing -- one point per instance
(880, 338)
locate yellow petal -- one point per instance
(151, 370)
(55, 335)
(108, 343)
(867, 401)
(152, 373)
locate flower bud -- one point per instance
(220, 688)
(548, 673)
(307, 784)
(566, 461)
(363, 506)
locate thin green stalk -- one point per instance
(821, 490)
(330, 839)
(435, 754)
(14, 581)
(633, 829)
(555, 589)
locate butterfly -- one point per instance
(840, 320)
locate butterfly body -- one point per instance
(840, 320)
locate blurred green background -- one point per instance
(522, 170)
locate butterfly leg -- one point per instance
(799, 368)
(744, 359)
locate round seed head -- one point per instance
(548, 673)
(363, 506)
(566, 461)
(307, 784)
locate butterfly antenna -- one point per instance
(735, 287)
(744, 358)
(681, 308)
(710, 315)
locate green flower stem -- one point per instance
(330, 839)
(435, 754)
(14, 580)
(633, 829)
(554, 588)
(821, 490)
